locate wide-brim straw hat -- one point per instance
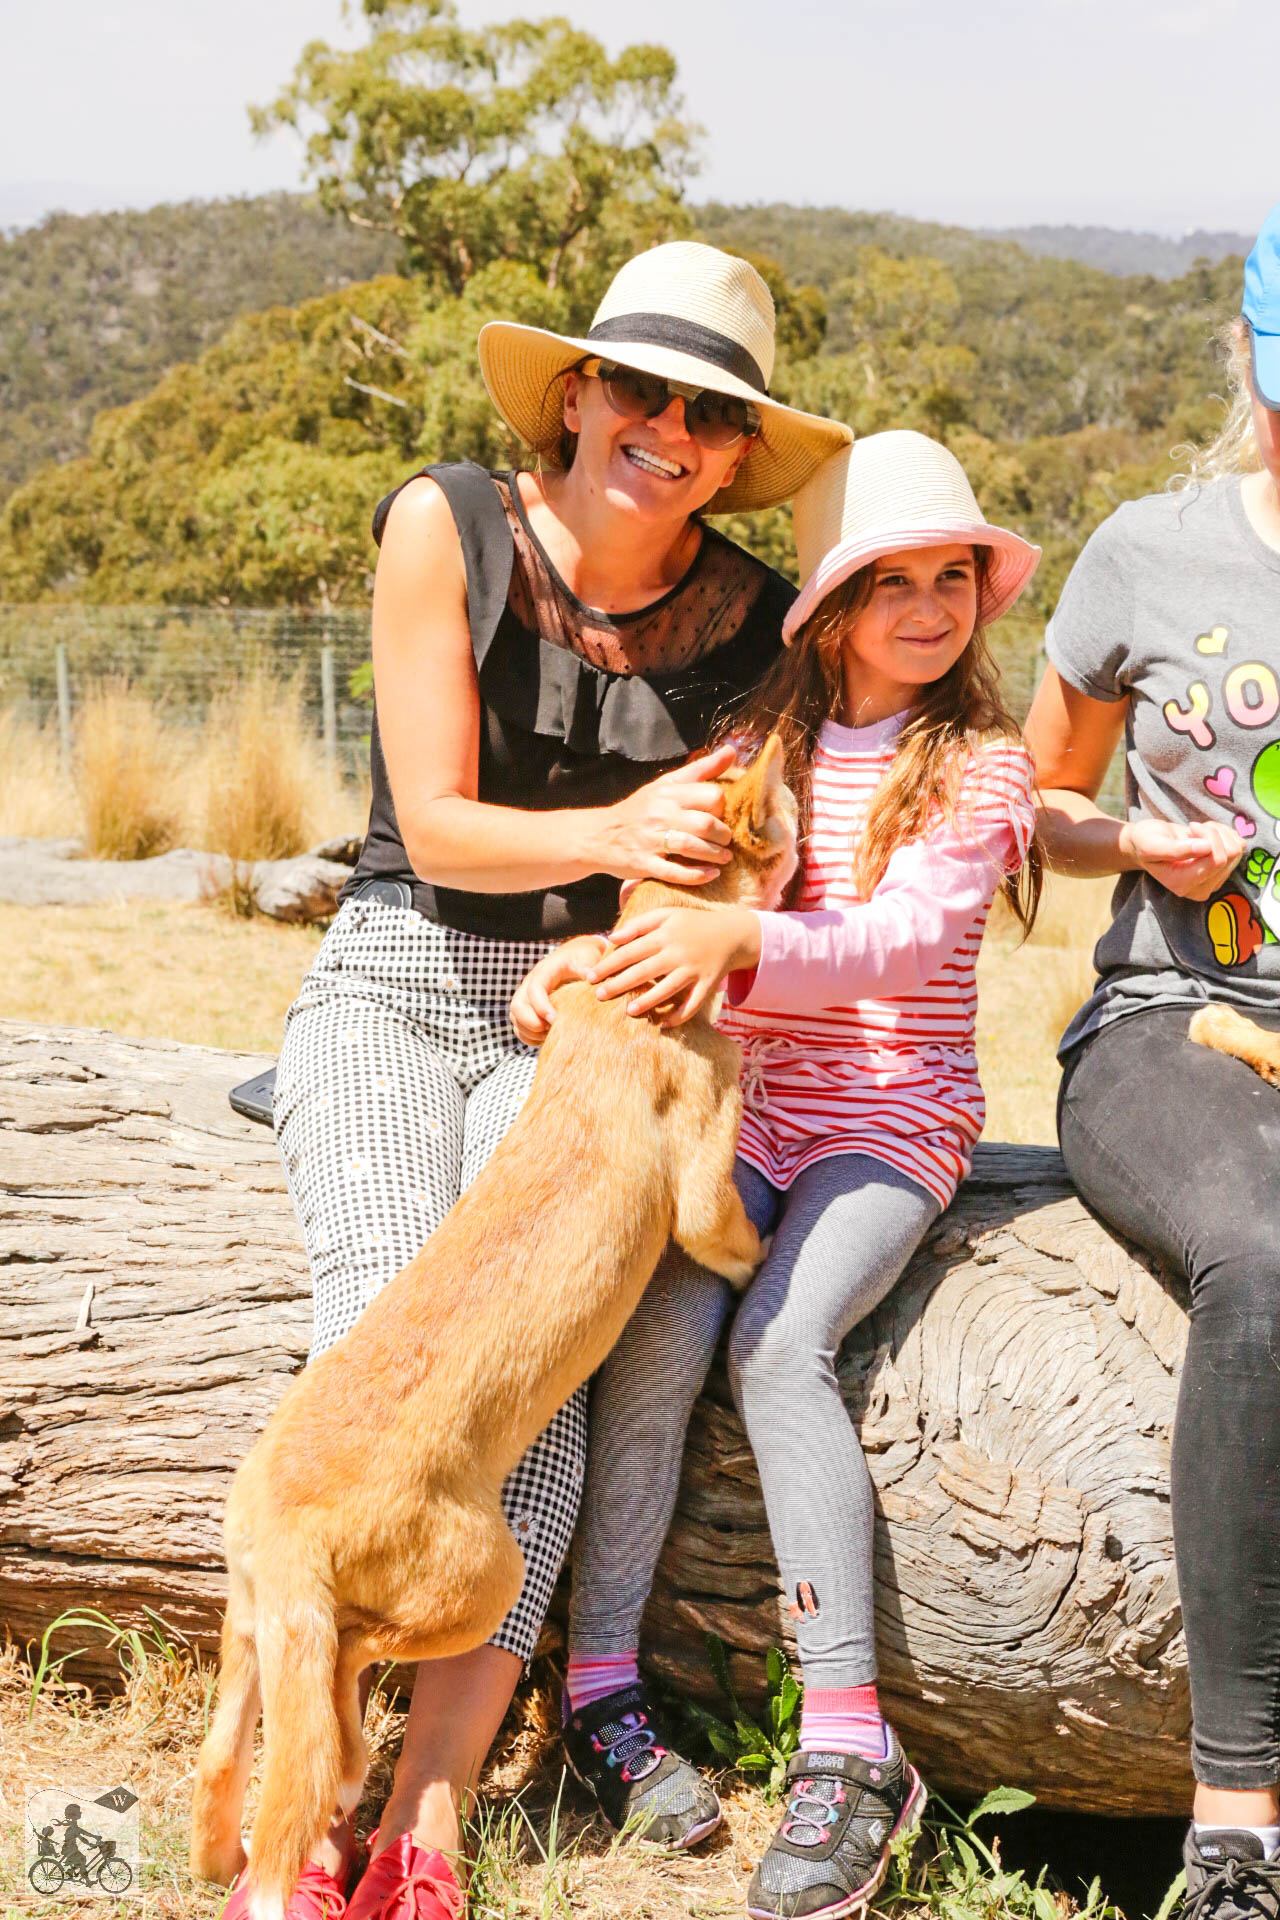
(685, 311)
(893, 491)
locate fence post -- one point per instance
(329, 707)
(64, 705)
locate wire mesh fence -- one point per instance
(182, 658)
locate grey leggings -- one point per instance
(842, 1236)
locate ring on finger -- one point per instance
(667, 837)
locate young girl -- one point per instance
(855, 1012)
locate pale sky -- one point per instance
(1158, 114)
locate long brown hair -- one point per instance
(950, 722)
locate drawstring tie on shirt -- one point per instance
(766, 1053)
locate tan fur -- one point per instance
(366, 1523)
(1227, 1031)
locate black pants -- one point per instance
(1179, 1148)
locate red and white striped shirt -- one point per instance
(857, 1027)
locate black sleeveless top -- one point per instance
(557, 730)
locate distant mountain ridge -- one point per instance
(1118, 250)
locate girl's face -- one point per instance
(653, 469)
(918, 621)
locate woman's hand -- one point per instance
(676, 954)
(531, 1010)
(1191, 861)
(673, 829)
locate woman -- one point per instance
(547, 647)
(1169, 627)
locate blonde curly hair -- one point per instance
(1234, 448)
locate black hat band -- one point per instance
(682, 336)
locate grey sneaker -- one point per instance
(1229, 1877)
(832, 1850)
(615, 1748)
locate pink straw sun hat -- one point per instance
(888, 492)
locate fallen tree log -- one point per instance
(1015, 1396)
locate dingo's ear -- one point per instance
(765, 775)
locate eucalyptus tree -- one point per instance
(522, 141)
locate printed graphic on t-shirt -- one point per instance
(1246, 918)
(1174, 608)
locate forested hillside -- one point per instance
(245, 474)
(94, 308)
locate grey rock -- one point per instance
(303, 889)
(47, 873)
(53, 873)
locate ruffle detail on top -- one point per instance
(548, 690)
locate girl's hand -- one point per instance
(678, 954)
(531, 1010)
(1191, 862)
(673, 829)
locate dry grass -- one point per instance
(265, 788)
(127, 776)
(1026, 996)
(156, 970)
(35, 796)
(252, 783)
(539, 1848)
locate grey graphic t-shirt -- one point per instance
(1175, 603)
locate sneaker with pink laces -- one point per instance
(317, 1896)
(407, 1882)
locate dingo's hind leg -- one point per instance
(350, 1710)
(217, 1851)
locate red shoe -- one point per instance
(317, 1896)
(406, 1882)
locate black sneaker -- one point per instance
(832, 1850)
(615, 1748)
(1229, 1877)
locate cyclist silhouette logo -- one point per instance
(82, 1844)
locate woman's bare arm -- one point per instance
(1072, 738)
(429, 722)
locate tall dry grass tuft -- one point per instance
(36, 798)
(265, 786)
(127, 776)
(262, 782)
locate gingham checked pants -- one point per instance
(398, 1076)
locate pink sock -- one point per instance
(843, 1720)
(592, 1675)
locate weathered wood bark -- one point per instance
(1015, 1397)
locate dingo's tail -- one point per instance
(297, 1640)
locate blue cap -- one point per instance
(1262, 310)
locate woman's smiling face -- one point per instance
(918, 621)
(650, 467)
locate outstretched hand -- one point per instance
(675, 958)
(1190, 861)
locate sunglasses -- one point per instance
(715, 420)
